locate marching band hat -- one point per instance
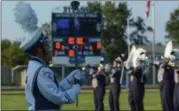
(26, 17)
(118, 59)
(36, 38)
(101, 66)
(102, 59)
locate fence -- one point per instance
(18, 78)
(6, 75)
(63, 71)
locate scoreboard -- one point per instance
(87, 43)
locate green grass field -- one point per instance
(16, 101)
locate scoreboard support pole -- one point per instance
(76, 60)
(75, 5)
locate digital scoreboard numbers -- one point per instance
(86, 45)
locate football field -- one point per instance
(15, 100)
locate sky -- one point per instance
(12, 31)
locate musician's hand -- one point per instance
(172, 64)
(80, 76)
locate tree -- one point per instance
(94, 7)
(47, 29)
(172, 26)
(5, 44)
(159, 44)
(16, 55)
(113, 27)
(11, 54)
(138, 36)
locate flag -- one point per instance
(77, 23)
(147, 10)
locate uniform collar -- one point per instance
(37, 59)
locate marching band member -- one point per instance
(137, 81)
(115, 86)
(176, 89)
(166, 85)
(42, 90)
(166, 78)
(98, 83)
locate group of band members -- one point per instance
(168, 78)
(136, 87)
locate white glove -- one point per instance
(80, 75)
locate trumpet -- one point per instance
(174, 63)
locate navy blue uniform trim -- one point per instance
(62, 88)
(68, 81)
(33, 58)
(35, 77)
(67, 96)
(41, 103)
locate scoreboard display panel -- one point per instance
(86, 45)
(65, 27)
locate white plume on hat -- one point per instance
(168, 49)
(130, 56)
(26, 17)
(140, 54)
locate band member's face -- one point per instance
(99, 69)
(166, 60)
(114, 64)
(47, 51)
(118, 65)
